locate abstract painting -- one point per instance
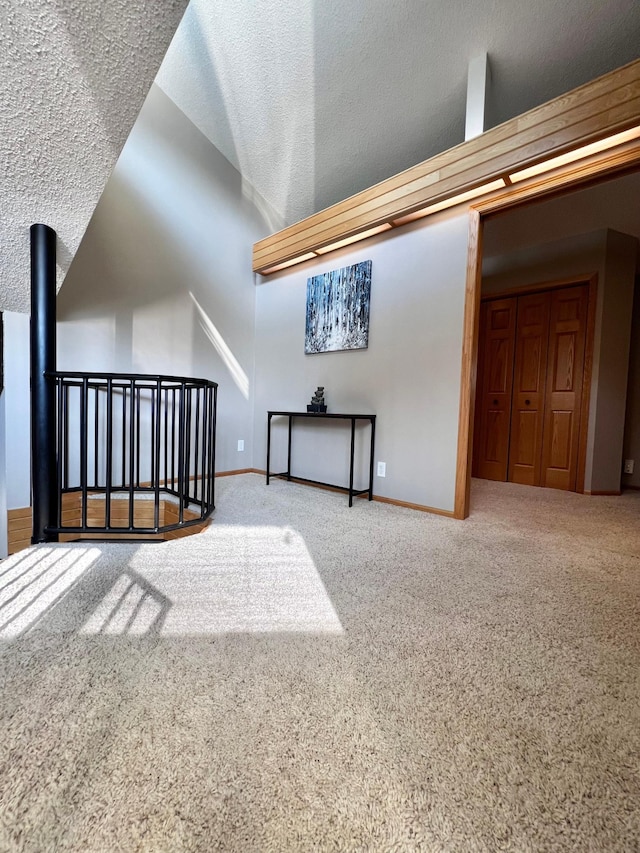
(338, 309)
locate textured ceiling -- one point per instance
(73, 76)
(314, 100)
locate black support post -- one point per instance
(43, 391)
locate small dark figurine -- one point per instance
(317, 403)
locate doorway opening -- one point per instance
(534, 378)
(585, 236)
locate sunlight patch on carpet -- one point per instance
(239, 580)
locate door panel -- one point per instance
(527, 430)
(560, 424)
(528, 398)
(531, 356)
(565, 366)
(493, 412)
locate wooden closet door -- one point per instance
(497, 334)
(529, 374)
(565, 367)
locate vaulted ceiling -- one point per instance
(315, 100)
(312, 100)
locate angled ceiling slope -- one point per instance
(75, 75)
(573, 139)
(316, 100)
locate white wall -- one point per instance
(17, 410)
(162, 282)
(15, 421)
(3, 481)
(409, 376)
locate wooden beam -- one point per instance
(588, 114)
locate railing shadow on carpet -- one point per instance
(65, 590)
(247, 580)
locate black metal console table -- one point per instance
(317, 416)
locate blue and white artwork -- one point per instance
(338, 309)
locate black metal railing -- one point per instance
(138, 439)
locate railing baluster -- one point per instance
(156, 472)
(152, 436)
(187, 461)
(181, 454)
(137, 436)
(173, 439)
(132, 422)
(206, 453)
(59, 464)
(96, 434)
(197, 448)
(212, 467)
(84, 438)
(123, 443)
(211, 453)
(65, 484)
(205, 450)
(166, 436)
(109, 456)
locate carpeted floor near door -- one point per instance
(308, 677)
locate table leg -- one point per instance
(353, 446)
(268, 446)
(289, 452)
(371, 455)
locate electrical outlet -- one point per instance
(382, 469)
(628, 466)
(241, 444)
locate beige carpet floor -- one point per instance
(308, 677)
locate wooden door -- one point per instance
(493, 413)
(528, 402)
(565, 367)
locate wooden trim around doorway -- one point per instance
(586, 382)
(556, 284)
(469, 371)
